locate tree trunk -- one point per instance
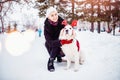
(2, 23)
(73, 9)
(98, 16)
(113, 28)
(92, 27)
(108, 27)
(98, 26)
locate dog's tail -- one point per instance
(85, 55)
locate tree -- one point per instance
(42, 5)
(65, 8)
(99, 10)
(7, 6)
(89, 12)
(86, 10)
(107, 13)
(115, 14)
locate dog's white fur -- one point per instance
(70, 50)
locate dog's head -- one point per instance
(67, 33)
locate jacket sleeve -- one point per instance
(49, 39)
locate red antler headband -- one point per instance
(74, 23)
(64, 22)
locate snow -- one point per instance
(101, 51)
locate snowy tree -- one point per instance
(66, 8)
(17, 12)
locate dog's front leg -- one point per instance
(68, 64)
(76, 63)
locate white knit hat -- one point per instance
(50, 10)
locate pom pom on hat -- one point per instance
(50, 10)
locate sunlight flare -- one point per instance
(29, 35)
(15, 44)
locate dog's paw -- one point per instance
(82, 62)
(66, 68)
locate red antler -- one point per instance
(74, 23)
(64, 22)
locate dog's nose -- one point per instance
(66, 31)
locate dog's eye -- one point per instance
(70, 28)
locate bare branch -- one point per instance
(4, 1)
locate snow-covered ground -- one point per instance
(102, 53)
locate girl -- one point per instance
(52, 28)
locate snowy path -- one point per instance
(102, 61)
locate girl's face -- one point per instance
(53, 16)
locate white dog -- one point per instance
(70, 47)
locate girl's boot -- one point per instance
(50, 65)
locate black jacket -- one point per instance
(51, 32)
